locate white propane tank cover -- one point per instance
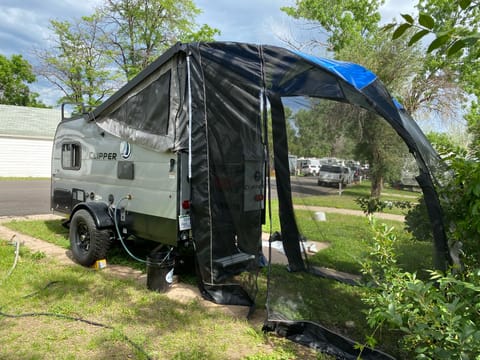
(320, 216)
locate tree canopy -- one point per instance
(16, 74)
(450, 31)
(354, 34)
(94, 55)
(345, 21)
(453, 26)
(77, 65)
(138, 31)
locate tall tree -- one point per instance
(354, 35)
(76, 64)
(466, 62)
(321, 130)
(382, 148)
(454, 27)
(344, 21)
(94, 55)
(15, 76)
(140, 30)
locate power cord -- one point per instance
(119, 234)
(17, 253)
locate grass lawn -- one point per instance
(54, 303)
(349, 194)
(164, 328)
(53, 232)
(332, 304)
(347, 237)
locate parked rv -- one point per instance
(408, 176)
(292, 164)
(146, 164)
(308, 166)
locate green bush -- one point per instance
(370, 205)
(418, 223)
(439, 318)
(460, 199)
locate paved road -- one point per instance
(305, 186)
(24, 197)
(32, 197)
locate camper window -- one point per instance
(71, 156)
(149, 109)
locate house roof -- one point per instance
(21, 121)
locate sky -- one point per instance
(24, 24)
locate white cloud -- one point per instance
(24, 25)
(393, 8)
(250, 21)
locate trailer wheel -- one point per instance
(88, 244)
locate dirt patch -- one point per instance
(32, 243)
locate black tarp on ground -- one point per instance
(218, 104)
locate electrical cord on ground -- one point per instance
(15, 261)
(115, 221)
(66, 317)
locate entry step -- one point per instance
(233, 259)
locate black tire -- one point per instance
(88, 244)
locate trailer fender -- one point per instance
(99, 212)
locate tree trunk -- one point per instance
(377, 186)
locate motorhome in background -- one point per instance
(328, 161)
(308, 166)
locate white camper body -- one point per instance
(90, 166)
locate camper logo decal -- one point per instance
(125, 149)
(103, 156)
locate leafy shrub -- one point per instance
(440, 318)
(370, 205)
(460, 199)
(418, 223)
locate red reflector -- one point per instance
(258, 197)
(186, 204)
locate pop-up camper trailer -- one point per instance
(179, 155)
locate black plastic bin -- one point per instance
(160, 271)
